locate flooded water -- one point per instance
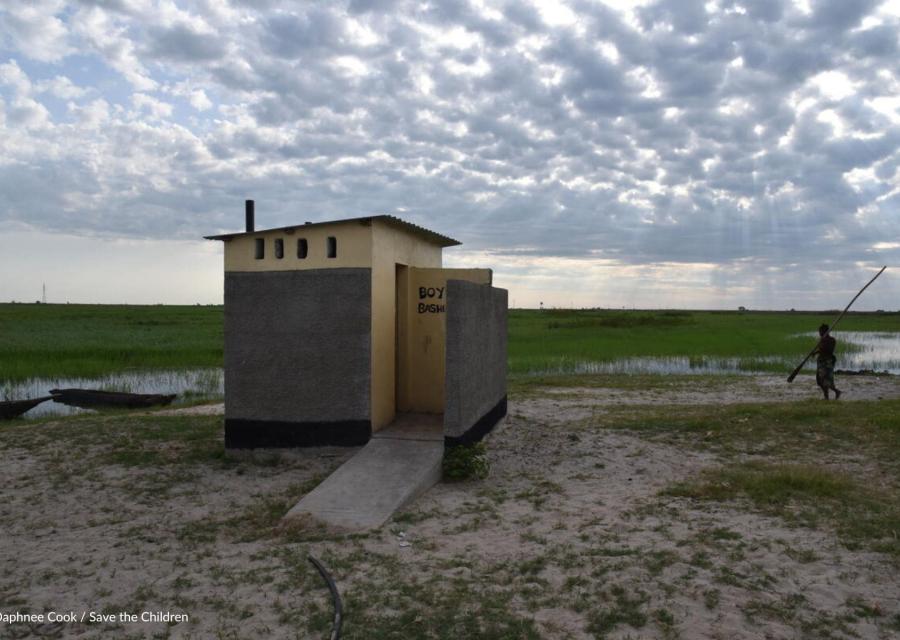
(190, 386)
(878, 351)
(677, 365)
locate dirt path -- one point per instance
(755, 388)
(685, 390)
(216, 409)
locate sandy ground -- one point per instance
(758, 388)
(569, 533)
(215, 409)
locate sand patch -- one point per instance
(569, 537)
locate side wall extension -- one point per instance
(297, 358)
(475, 382)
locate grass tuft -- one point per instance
(620, 608)
(766, 484)
(807, 496)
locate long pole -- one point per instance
(833, 324)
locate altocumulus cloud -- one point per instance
(681, 153)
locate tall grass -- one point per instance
(93, 340)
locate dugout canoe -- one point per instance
(92, 399)
(14, 408)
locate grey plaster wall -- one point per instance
(298, 346)
(475, 379)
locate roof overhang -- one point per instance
(422, 232)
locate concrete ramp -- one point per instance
(399, 463)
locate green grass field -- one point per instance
(554, 340)
(93, 340)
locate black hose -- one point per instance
(335, 596)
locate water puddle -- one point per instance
(862, 350)
(190, 386)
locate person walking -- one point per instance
(825, 361)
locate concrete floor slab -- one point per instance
(398, 464)
(414, 426)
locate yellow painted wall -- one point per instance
(401, 363)
(354, 248)
(422, 370)
(390, 246)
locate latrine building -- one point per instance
(332, 329)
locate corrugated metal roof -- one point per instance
(429, 235)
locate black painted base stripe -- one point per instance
(258, 434)
(481, 428)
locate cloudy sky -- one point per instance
(675, 153)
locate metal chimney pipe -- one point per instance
(248, 211)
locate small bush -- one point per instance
(466, 462)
